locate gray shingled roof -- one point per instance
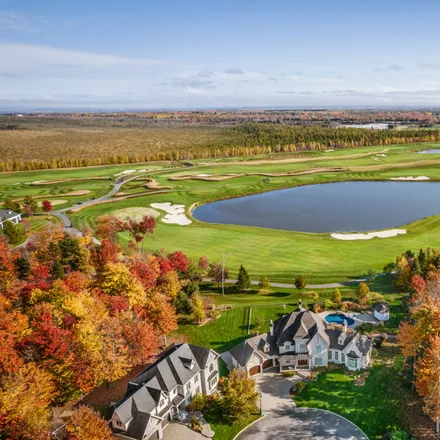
(144, 391)
(363, 343)
(382, 307)
(334, 333)
(6, 214)
(352, 355)
(299, 324)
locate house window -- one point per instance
(196, 379)
(266, 348)
(318, 349)
(337, 356)
(302, 347)
(162, 402)
(318, 361)
(188, 386)
(288, 347)
(213, 382)
(211, 367)
(342, 357)
(330, 355)
(352, 363)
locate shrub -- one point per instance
(196, 425)
(315, 296)
(362, 291)
(198, 403)
(336, 296)
(401, 435)
(317, 308)
(289, 374)
(300, 282)
(374, 298)
(264, 283)
(299, 386)
(329, 304)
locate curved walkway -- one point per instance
(308, 286)
(303, 424)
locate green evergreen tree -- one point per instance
(243, 280)
(422, 260)
(13, 233)
(300, 282)
(57, 271)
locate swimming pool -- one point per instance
(339, 318)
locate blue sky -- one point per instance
(204, 53)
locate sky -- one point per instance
(143, 54)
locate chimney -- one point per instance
(300, 305)
(271, 328)
(344, 326)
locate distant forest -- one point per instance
(61, 141)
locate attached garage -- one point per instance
(254, 370)
(267, 364)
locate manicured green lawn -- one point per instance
(374, 407)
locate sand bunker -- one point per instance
(135, 213)
(53, 202)
(175, 213)
(411, 178)
(204, 175)
(381, 155)
(124, 173)
(329, 151)
(370, 235)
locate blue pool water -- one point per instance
(338, 318)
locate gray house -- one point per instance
(302, 340)
(8, 215)
(163, 390)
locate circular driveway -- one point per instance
(302, 424)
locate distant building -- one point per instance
(381, 311)
(7, 215)
(163, 390)
(302, 340)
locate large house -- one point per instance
(302, 340)
(8, 215)
(163, 390)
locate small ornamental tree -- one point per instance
(336, 296)
(203, 263)
(362, 291)
(198, 310)
(216, 272)
(12, 205)
(46, 205)
(240, 395)
(31, 204)
(243, 281)
(86, 424)
(264, 283)
(315, 296)
(300, 282)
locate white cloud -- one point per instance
(21, 22)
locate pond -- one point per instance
(332, 207)
(433, 151)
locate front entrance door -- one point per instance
(303, 363)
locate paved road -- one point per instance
(303, 424)
(283, 420)
(308, 286)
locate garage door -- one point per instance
(254, 370)
(267, 364)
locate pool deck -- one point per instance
(360, 318)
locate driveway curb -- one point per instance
(250, 424)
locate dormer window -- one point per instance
(266, 348)
(288, 347)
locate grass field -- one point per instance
(374, 407)
(280, 255)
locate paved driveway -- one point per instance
(283, 421)
(176, 431)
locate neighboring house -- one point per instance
(381, 311)
(163, 390)
(7, 215)
(302, 340)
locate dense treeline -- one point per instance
(74, 315)
(419, 336)
(242, 140)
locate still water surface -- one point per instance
(333, 207)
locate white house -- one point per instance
(302, 340)
(8, 215)
(381, 311)
(164, 389)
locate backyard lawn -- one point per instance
(375, 407)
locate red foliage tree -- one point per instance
(179, 261)
(203, 263)
(164, 265)
(146, 271)
(46, 205)
(107, 252)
